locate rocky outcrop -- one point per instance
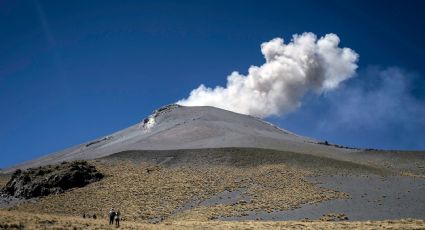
(51, 179)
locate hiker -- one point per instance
(117, 218)
(94, 216)
(112, 216)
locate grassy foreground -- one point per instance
(171, 189)
(23, 220)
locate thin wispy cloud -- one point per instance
(380, 108)
(384, 99)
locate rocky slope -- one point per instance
(48, 180)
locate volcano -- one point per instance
(205, 163)
(181, 127)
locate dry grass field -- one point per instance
(4, 178)
(23, 220)
(160, 194)
(195, 189)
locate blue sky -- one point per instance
(71, 71)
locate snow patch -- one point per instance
(148, 123)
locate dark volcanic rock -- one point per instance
(51, 179)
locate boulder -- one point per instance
(51, 179)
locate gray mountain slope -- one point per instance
(179, 127)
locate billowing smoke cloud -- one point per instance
(290, 71)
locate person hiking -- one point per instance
(112, 216)
(117, 217)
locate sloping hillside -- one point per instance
(159, 186)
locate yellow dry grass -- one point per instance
(157, 195)
(4, 179)
(23, 220)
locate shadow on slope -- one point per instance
(245, 157)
